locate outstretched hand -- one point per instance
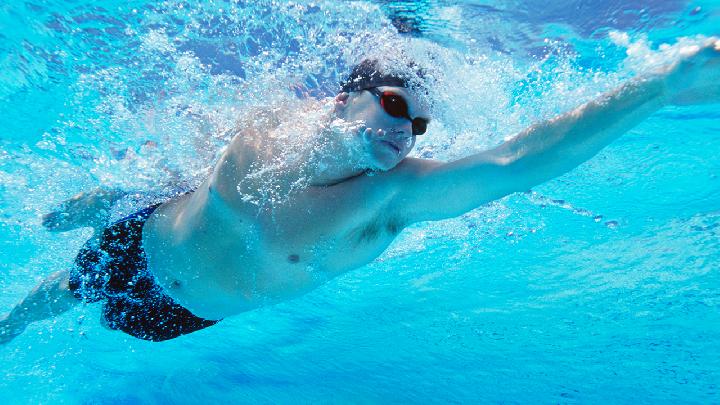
(695, 78)
(83, 210)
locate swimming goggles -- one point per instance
(396, 106)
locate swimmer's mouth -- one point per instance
(392, 146)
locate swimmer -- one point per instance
(183, 265)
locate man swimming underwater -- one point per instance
(181, 266)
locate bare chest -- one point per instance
(242, 261)
(330, 236)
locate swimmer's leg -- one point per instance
(50, 298)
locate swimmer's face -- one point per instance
(387, 138)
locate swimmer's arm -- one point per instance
(551, 148)
(86, 209)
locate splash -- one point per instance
(154, 116)
(644, 58)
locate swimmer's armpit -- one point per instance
(86, 209)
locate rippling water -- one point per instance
(599, 286)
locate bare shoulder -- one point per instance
(430, 190)
(406, 179)
(252, 139)
(255, 125)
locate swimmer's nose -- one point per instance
(402, 135)
(402, 131)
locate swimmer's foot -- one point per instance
(83, 210)
(48, 299)
(9, 330)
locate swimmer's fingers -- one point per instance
(695, 79)
(710, 50)
(696, 54)
(341, 99)
(707, 59)
(714, 42)
(368, 134)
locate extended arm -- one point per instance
(556, 146)
(90, 209)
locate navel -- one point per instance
(293, 258)
(175, 284)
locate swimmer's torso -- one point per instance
(217, 253)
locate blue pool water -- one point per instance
(599, 286)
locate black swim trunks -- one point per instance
(116, 272)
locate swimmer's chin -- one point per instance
(386, 163)
(379, 161)
(380, 166)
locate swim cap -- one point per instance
(367, 75)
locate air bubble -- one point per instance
(612, 224)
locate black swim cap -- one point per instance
(367, 75)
